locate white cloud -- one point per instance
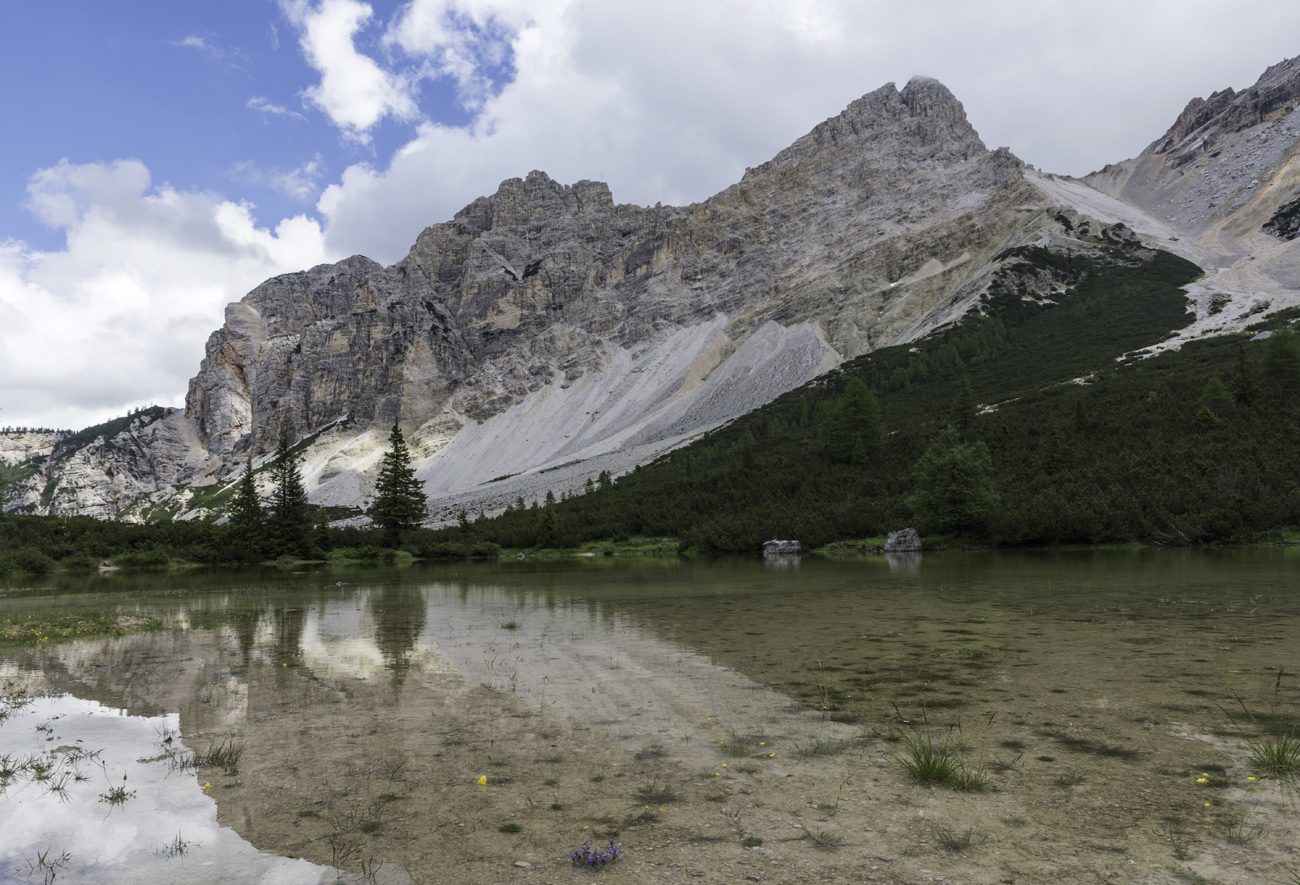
(203, 43)
(265, 106)
(671, 100)
(118, 318)
(301, 184)
(464, 40)
(354, 90)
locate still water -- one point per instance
(367, 704)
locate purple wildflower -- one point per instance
(588, 857)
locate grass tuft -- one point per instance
(951, 840)
(929, 760)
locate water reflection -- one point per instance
(164, 829)
(904, 564)
(546, 676)
(400, 612)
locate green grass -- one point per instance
(1239, 832)
(1277, 755)
(53, 627)
(936, 761)
(654, 794)
(954, 841)
(221, 754)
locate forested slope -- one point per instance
(1086, 444)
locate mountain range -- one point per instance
(547, 334)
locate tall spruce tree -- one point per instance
(399, 503)
(290, 522)
(853, 431)
(247, 519)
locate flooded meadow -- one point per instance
(1065, 716)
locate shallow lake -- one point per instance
(1107, 699)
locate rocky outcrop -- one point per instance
(903, 541)
(118, 469)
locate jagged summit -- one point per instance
(923, 122)
(1206, 121)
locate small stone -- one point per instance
(523, 865)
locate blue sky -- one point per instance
(180, 85)
(161, 159)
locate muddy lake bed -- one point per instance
(721, 721)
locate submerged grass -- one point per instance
(221, 754)
(56, 626)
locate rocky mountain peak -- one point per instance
(1206, 121)
(923, 124)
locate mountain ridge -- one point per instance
(546, 333)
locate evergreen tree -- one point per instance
(463, 523)
(1216, 399)
(548, 527)
(954, 485)
(322, 538)
(247, 518)
(1244, 389)
(963, 407)
(855, 417)
(399, 503)
(1281, 367)
(290, 523)
(1054, 452)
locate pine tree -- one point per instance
(290, 523)
(548, 527)
(247, 518)
(1281, 364)
(399, 504)
(962, 412)
(954, 485)
(1244, 388)
(855, 417)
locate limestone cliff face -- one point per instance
(850, 237)
(118, 469)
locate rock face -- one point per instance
(781, 548)
(903, 541)
(547, 334)
(1222, 170)
(546, 326)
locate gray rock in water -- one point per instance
(776, 548)
(904, 541)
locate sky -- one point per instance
(160, 159)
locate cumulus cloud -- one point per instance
(118, 318)
(467, 41)
(670, 101)
(355, 91)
